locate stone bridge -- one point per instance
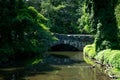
(76, 40)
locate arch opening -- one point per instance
(63, 47)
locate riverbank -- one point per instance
(106, 60)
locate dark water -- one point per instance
(57, 66)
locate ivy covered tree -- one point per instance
(23, 33)
(103, 22)
(107, 33)
(117, 14)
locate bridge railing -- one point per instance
(80, 37)
(72, 34)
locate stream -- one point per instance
(56, 66)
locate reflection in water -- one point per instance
(66, 66)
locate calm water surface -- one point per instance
(56, 66)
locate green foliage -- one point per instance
(116, 72)
(89, 50)
(117, 14)
(88, 53)
(104, 56)
(88, 60)
(111, 57)
(5, 53)
(108, 26)
(104, 20)
(85, 21)
(35, 3)
(62, 15)
(100, 19)
(115, 59)
(40, 34)
(23, 32)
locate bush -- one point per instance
(111, 57)
(114, 60)
(103, 56)
(89, 50)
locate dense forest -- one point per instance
(63, 15)
(27, 27)
(23, 32)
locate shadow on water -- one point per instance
(18, 73)
(21, 72)
(63, 58)
(55, 59)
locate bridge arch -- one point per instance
(75, 40)
(63, 47)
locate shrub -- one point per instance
(89, 50)
(103, 56)
(114, 60)
(111, 57)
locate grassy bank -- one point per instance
(108, 59)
